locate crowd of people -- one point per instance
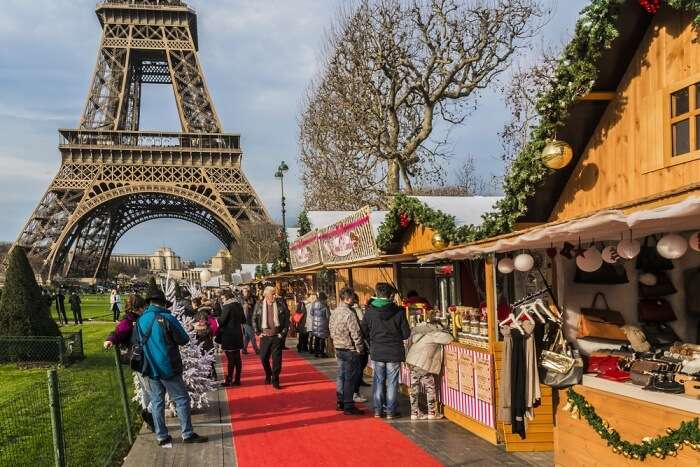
(238, 319)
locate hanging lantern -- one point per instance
(590, 261)
(557, 154)
(694, 241)
(204, 276)
(628, 248)
(524, 262)
(610, 254)
(506, 265)
(672, 246)
(438, 241)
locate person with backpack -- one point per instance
(385, 327)
(320, 317)
(122, 337)
(158, 335)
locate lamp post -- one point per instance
(281, 170)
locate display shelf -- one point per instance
(675, 401)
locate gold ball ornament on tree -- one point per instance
(557, 154)
(438, 241)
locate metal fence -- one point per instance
(64, 349)
(47, 422)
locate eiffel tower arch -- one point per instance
(114, 176)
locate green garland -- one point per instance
(688, 434)
(575, 75)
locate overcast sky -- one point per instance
(258, 57)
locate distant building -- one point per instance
(164, 259)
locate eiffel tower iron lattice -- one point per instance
(113, 176)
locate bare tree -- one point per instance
(467, 182)
(258, 243)
(392, 68)
(521, 95)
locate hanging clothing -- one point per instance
(532, 377)
(517, 384)
(504, 408)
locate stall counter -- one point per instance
(576, 444)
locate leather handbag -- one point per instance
(558, 357)
(660, 334)
(608, 274)
(601, 322)
(642, 371)
(649, 259)
(565, 380)
(655, 310)
(607, 367)
(663, 287)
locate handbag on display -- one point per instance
(650, 260)
(656, 310)
(642, 371)
(608, 274)
(607, 367)
(561, 368)
(660, 334)
(661, 288)
(601, 322)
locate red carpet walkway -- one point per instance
(298, 426)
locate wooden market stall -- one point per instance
(621, 220)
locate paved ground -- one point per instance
(447, 442)
(214, 423)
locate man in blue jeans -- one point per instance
(160, 334)
(385, 327)
(349, 346)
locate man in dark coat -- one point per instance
(61, 307)
(231, 331)
(385, 327)
(271, 318)
(75, 307)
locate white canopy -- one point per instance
(604, 225)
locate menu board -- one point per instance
(452, 369)
(466, 374)
(484, 386)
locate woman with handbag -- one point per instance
(230, 336)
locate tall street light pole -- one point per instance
(281, 170)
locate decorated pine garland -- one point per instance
(688, 434)
(575, 75)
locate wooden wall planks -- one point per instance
(626, 158)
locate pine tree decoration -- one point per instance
(152, 287)
(23, 309)
(304, 223)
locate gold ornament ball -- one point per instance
(557, 154)
(439, 241)
(283, 264)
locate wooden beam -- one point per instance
(599, 96)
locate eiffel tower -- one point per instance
(113, 176)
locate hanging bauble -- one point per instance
(524, 262)
(672, 246)
(204, 276)
(628, 248)
(404, 220)
(590, 261)
(566, 250)
(610, 254)
(438, 241)
(283, 263)
(505, 265)
(551, 252)
(557, 154)
(694, 241)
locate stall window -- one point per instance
(685, 120)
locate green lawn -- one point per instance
(91, 407)
(95, 307)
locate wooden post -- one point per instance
(491, 298)
(59, 448)
(124, 396)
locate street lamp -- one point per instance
(281, 170)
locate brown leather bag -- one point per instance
(655, 310)
(601, 322)
(642, 371)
